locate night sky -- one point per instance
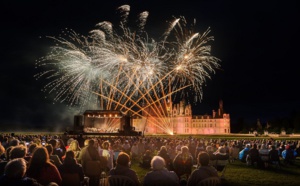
(256, 41)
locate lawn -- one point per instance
(239, 174)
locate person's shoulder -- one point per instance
(30, 181)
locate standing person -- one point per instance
(122, 168)
(160, 174)
(203, 171)
(41, 169)
(183, 163)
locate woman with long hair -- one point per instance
(74, 146)
(41, 169)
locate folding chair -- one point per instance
(118, 180)
(210, 181)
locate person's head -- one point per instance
(157, 163)
(16, 168)
(70, 155)
(184, 149)
(203, 159)
(91, 142)
(273, 147)
(31, 147)
(209, 148)
(19, 151)
(49, 149)
(254, 146)
(147, 153)
(263, 146)
(69, 141)
(53, 142)
(14, 142)
(86, 142)
(163, 149)
(74, 145)
(40, 156)
(123, 159)
(105, 145)
(2, 149)
(222, 150)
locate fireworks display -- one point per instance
(123, 68)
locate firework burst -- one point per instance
(119, 68)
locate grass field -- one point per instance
(239, 174)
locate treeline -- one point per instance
(291, 124)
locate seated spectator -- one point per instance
(14, 174)
(253, 155)
(160, 174)
(146, 160)
(126, 147)
(203, 171)
(108, 154)
(274, 156)
(74, 146)
(234, 152)
(288, 155)
(134, 151)
(41, 169)
(165, 155)
(221, 158)
(183, 163)
(30, 150)
(56, 150)
(243, 153)
(123, 168)
(70, 166)
(210, 151)
(199, 148)
(264, 155)
(53, 158)
(15, 152)
(2, 152)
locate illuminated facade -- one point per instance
(183, 122)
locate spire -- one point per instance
(221, 104)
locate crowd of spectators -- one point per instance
(46, 159)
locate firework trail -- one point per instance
(125, 69)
